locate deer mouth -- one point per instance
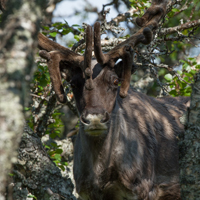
(95, 129)
(96, 132)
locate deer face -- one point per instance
(95, 105)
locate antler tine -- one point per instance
(158, 8)
(101, 58)
(88, 50)
(88, 58)
(48, 45)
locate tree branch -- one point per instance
(165, 31)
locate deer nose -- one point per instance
(91, 119)
(84, 120)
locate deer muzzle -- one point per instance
(95, 124)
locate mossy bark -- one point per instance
(18, 33)
(190, 148)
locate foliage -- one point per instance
(41, 90)
(182, 80)
(171, 47)
(141, 5)
(64, 29)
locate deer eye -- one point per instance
(116, 81)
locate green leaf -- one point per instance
(45, 27)
(47, 147)
(43, 81)
(53, 34)
(168, 77)
(193, 72)
(175, 10)
(192, 59)
(65, 31)
(173, 93)
(75, 25)
(53, 135)
(62, 167)
(76, 37)
(179, 72)
(183, 61)
(188, 75)
(57, 157)
(186, 78)
(186, 67)
(11, 174)
(54, 145)
(148, 4)
(51, 153)
(197, 67)
(59, 151)
(31, 196)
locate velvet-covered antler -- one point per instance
(124, 50)
(54, 54)
(88, 59)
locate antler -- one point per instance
(124, 50)
(157, 8)
(87, 59)
(54, 54)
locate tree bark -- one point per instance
(36, 174)
(190, 148)
(18, 33)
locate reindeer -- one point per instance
(126, 147)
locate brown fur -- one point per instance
(137, 157)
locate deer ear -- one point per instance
(119, 69)
(66, 72)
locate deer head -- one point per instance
(95, 81)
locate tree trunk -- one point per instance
(18, 33)
(190, 148)
(36, 174)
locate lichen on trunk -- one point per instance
(189, 146)
(18, 33)
(35, 172)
